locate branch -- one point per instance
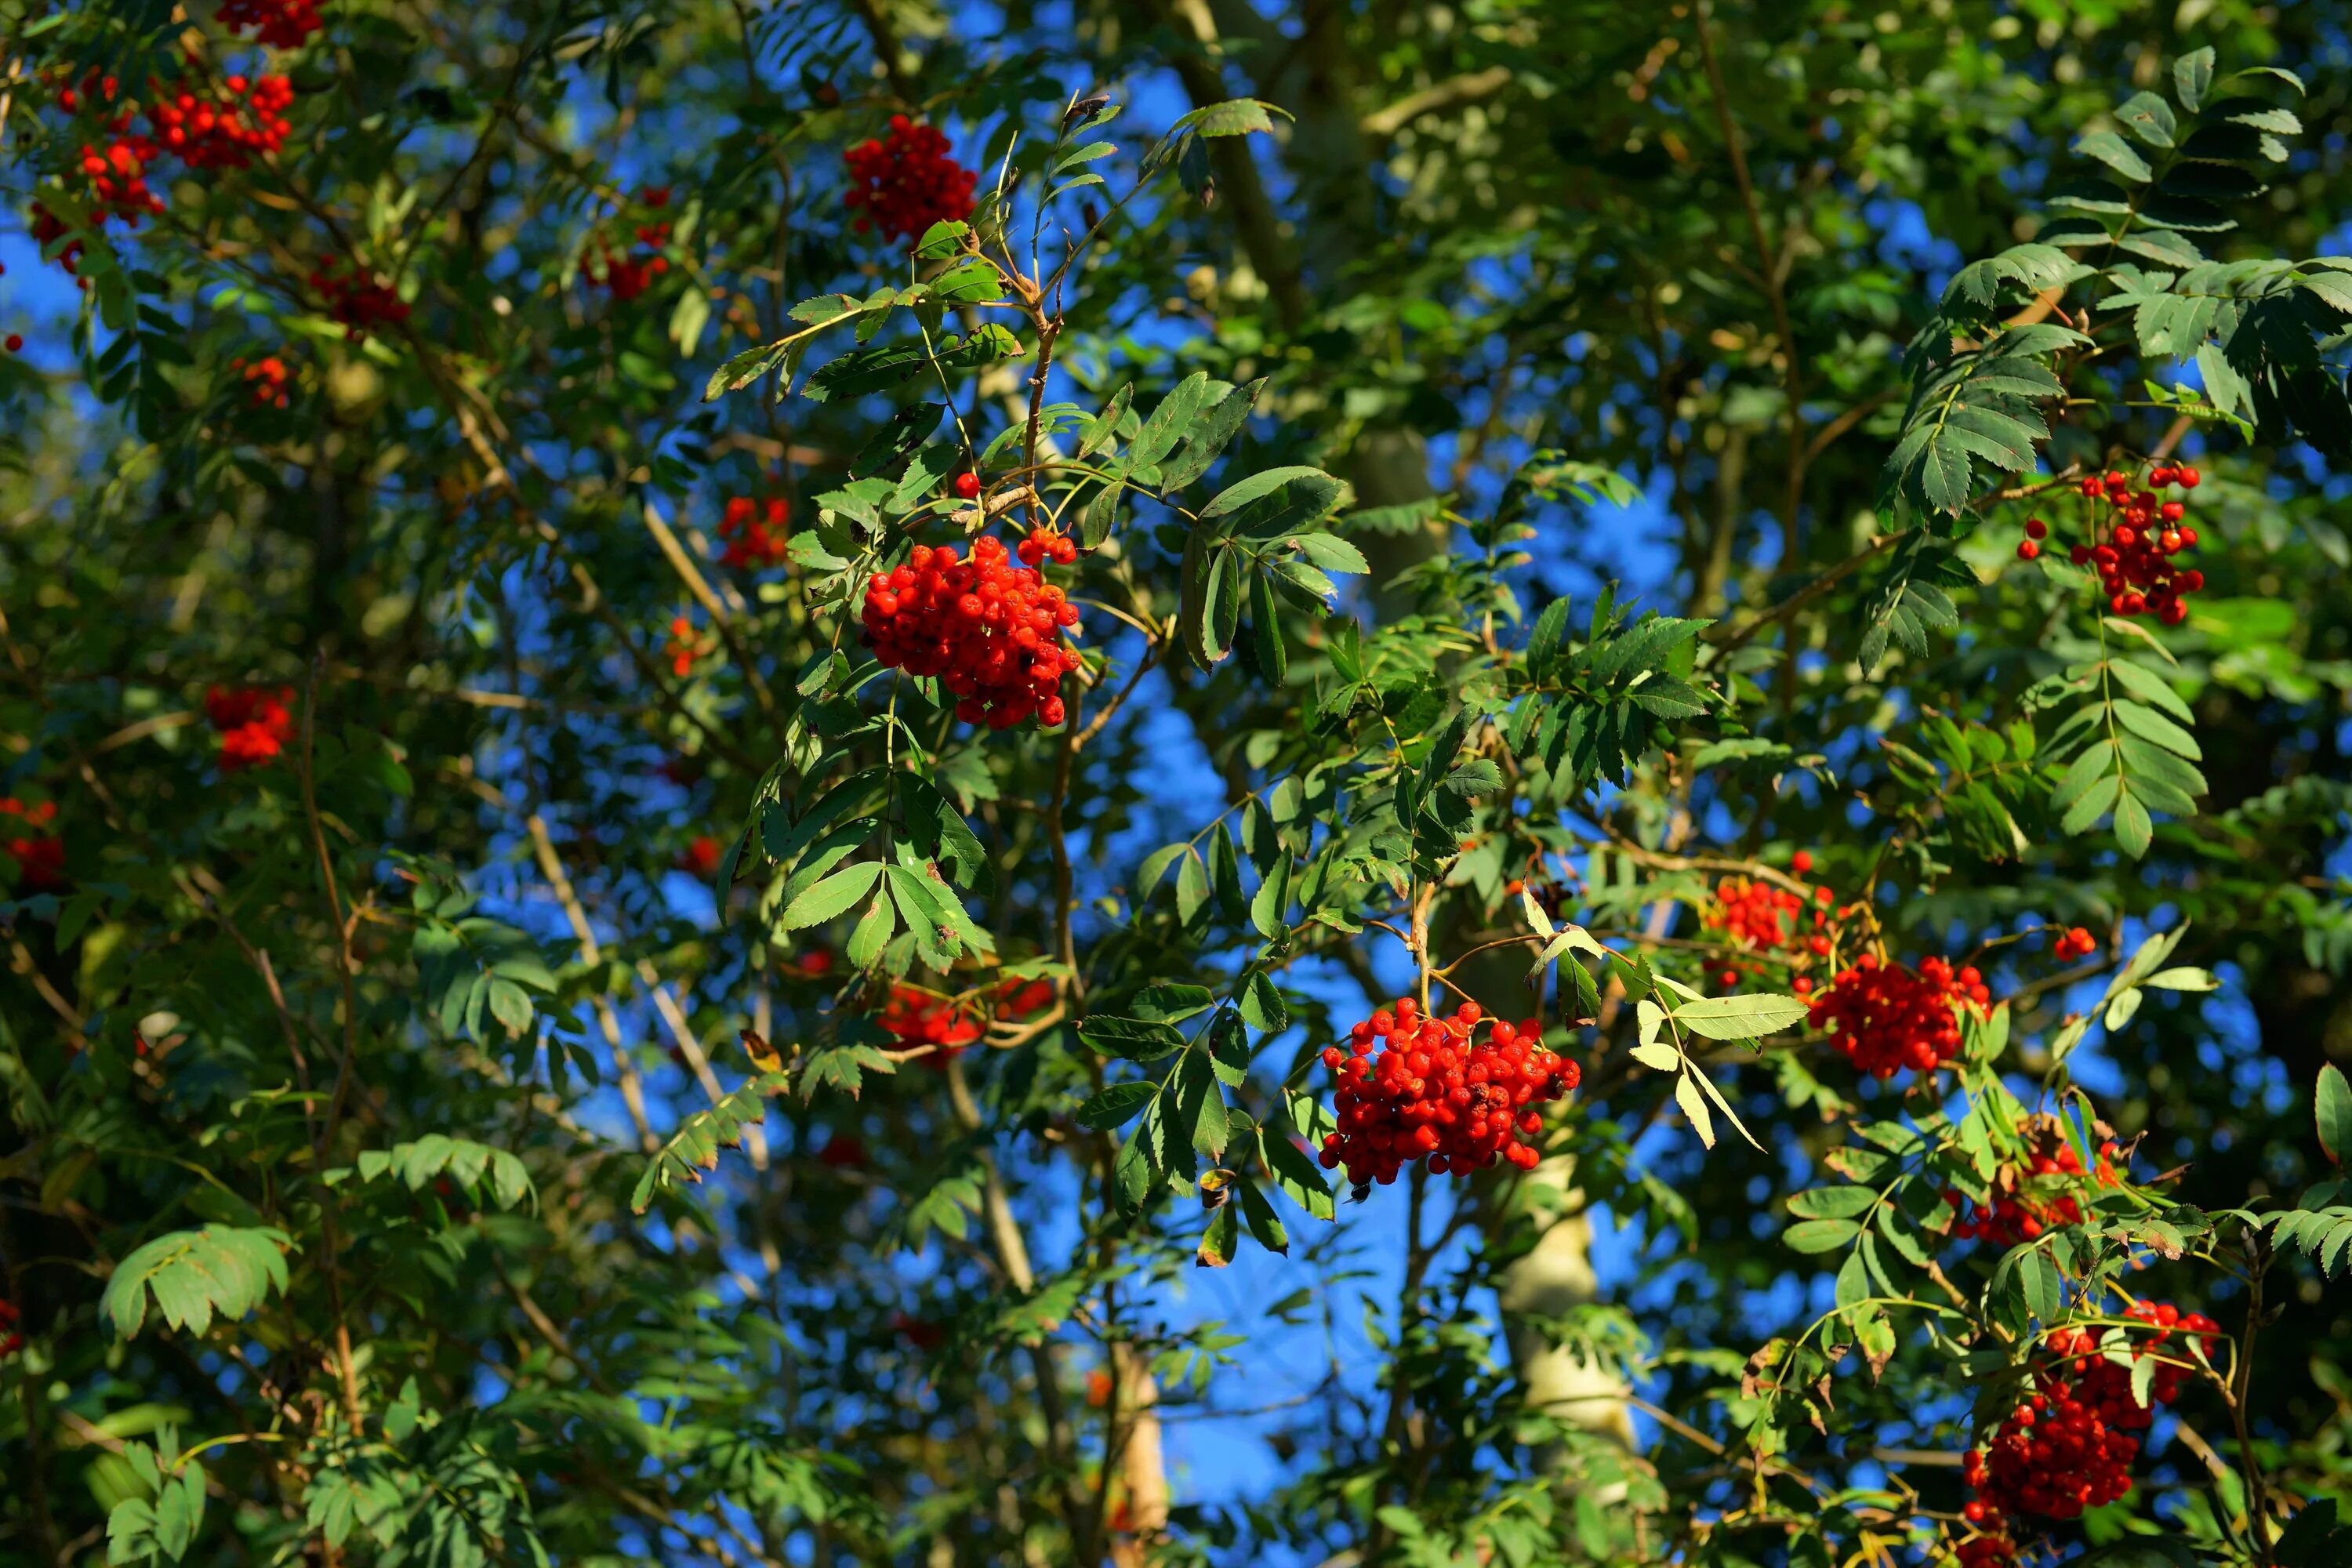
(1384, 123)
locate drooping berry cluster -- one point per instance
(1757, 917)
(2074, 942)
(1045, 544)
(267, 378)
(920, 1019)
(991, 631)
(754, 531)
(11, 1342)
(2132, 535)
(2033, 1196)
(224, 127)
(2069, 1445)
(357, 298)
(1886, 1017)
(39, 854)
(242, 120)
(253, 722)
(904, 182)
(1434, 1089)
(281, 24)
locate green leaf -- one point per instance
(2332, 1106)
(1116, 1106)
(2147, 117)
(2116, 154)
(1265, 1224)
(1819, 1234)
(2192, 73)
(194, 1275)
(1741, 1017)
(1276, 502)
(830, 897)
(1169, 1004)
(2133, 830)
(1138, 1039)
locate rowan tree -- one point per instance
(1382, 784)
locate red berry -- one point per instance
(1886, 1018)
(2036, 527)
(2190, 478)
(1801, 862)
(16, 341)
(1435, 1091)
(967, 485)
(2027, 550)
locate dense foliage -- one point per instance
(732, 730)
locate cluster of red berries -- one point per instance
(2134, 534)
(991, 631)
(357, 299)
(843, 1152)
(1435, 1090)
(1045, 544)
(1759, 918)
(243, 120)
(904, 182)
(39, 854)
(628, 276)
(267, 376)
(281, 24)
(2069, 1445)
(754, 531)
(917, 1019)
(814, 964)
(11, 1342)
(2031, 1198)
(2075, 942)
(1887, 1017)
(683, 646)
(253, 722)
(118, 173)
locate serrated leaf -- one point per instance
(1116, 1106)
(1136, 1039)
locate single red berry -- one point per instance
(1801, 861)
(16, 341)
(967, 485)
(2027, 550)
(2188, 479)
(2036, 527)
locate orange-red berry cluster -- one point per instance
(355, 297)
(991, 631)
(2029, 1198)
(253, 722)
(630, 276)
(281, 24)
(917, 1017)
(683, 646)
(267, 377)
(39, 853)
(1434, 1089)
(1886, 1017)
(2075, 942)
(1759, 918)
(2133, 535)
(1045, 544)
(223, 128)
(904, 182)
(754, 531)
(11, 1342)
(241, 122)
(2069, 1445)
